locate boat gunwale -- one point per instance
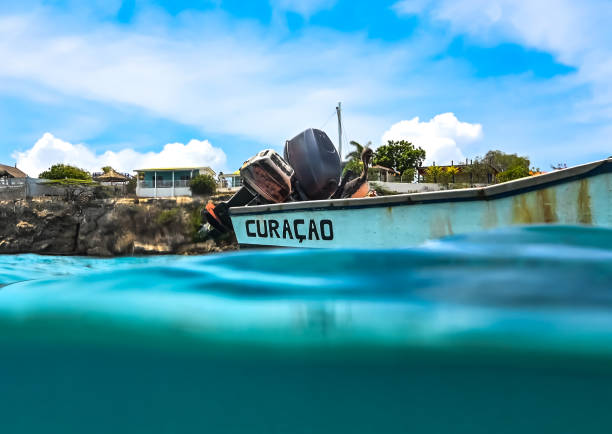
(497, 191)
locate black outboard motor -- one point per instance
(316, 164)
(309, 171)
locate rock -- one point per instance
(24, 227)
(102, 227)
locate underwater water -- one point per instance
(505, 331)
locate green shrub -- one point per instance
(203, 184)
(513, 173)
(382, 191)
(195, 223)
(65, 171)
(167, 217)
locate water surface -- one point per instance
(493, 332)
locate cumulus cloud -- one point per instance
(440, 136)
(49, 150)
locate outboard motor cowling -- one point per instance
(310, 171)
(267, 175)
(316, 164)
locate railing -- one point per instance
(12, 182)
(178, 183)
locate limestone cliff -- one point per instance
(103, 227)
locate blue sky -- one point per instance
(135, 83)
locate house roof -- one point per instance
(11, 172)
(112, 176)
(173, 169)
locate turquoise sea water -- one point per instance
(507, 331)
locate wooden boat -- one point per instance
(577, 195)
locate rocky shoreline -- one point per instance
(105, 227)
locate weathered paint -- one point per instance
(417, 218)
(584, 203)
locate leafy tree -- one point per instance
(434, 174)
(107, 169)
(451, 171)
(356, 154)
(399, 156)
(510, 166)
(65, 171)
(513, 173)
(355, 166)
(203, 184)
(502, 161)
(408, 175)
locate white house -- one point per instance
(167, 182)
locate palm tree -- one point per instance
(356, 154)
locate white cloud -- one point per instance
(49, 150)
(306, 8)
(440, 136)
(576, 33)
(226, 77)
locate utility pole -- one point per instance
(339, 112)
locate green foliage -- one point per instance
(107, 169)
(70, 182)
(503, 162)
(399, 156)
(65, 171)
(511, 166)
(408, 175)
(167, 217)
(203, 184)
(513, 173)
(355, 166)
(434, 174)
(356, 154)
(195, 223)
(382, 191)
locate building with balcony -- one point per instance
(168, 182)
(229, 181)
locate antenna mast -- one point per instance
(339, 112)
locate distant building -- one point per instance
(10, 175)
(167, 182)
(383, 174)
(229, 181)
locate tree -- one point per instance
(399, 156)
(513, 173)
(451, 171)
(203, 184)
(502, 161)
(356, 154)
(355, 166)
(107, 169)
(510, 166)
(434, 174)
(65, 171)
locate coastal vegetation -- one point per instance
(401, 156)
(65, 171)
(203, 184)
